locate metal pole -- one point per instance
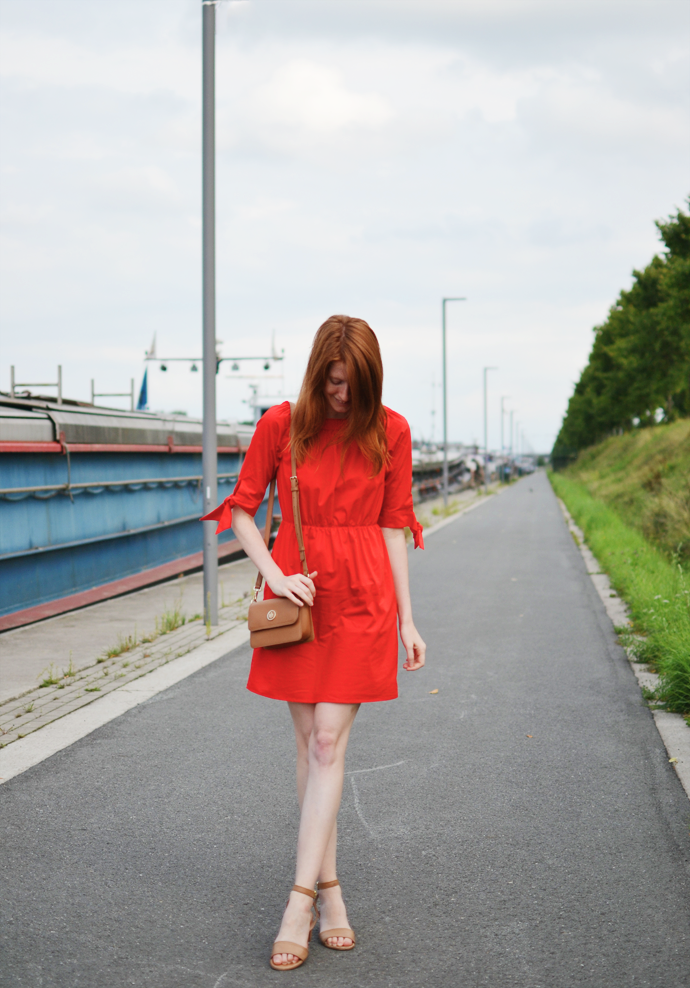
(486, 434)
(511, 433)
(503, 448)
(445, 402)
(503, 413)
(131, 396)
(59, 384)
(445, 415)
(210, 441)
(12, 380)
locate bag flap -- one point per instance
(276, 613)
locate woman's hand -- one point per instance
(297, 588)
(414, 646)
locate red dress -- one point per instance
(354, 655)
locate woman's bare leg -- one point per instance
(322, 731)
(303, 720)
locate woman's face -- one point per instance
(337, 391)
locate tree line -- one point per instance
(638, 371)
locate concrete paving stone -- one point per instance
(14, 705)
(34, 725)
(73, 704)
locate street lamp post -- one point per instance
(486, 434)
(445, 401)
(503, 412)
(208, 182)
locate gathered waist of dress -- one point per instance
(324, 528)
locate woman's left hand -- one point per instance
(414, 646)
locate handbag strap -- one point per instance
(296, 513)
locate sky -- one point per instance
(373, 156)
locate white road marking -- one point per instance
(358, 808)
(377, 768)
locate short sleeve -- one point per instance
(397, 510)
(258, 469)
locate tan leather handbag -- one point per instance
(278, 622)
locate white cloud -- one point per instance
(138, 187)
(305, 96)
(33, 60)
(586, 114)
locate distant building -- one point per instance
(260, 404)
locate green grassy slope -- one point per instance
(631, 497)
(644, 476)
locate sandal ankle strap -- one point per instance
(312, 893)
(327, 885)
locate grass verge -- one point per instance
(656, 589)
(644, 475)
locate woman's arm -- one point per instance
(297, 587)
(411, 639)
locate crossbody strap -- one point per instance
(296, 513)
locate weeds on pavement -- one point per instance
(51, 677)
(125, 644)
(169, 620)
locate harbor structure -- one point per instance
(95, 502)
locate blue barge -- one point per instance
(96, 502)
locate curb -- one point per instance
(29, 751)
(672, 727)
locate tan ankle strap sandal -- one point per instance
(325, 935)
(296, 949)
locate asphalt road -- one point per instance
(528, 831)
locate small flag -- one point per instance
(142, 404)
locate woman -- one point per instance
(355, 473)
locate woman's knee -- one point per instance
(324, 747)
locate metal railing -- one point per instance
(113, 394)
(91, 484)
(37, 384)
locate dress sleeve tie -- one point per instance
(416, 528)
(222, 514)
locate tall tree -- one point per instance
(638, 371)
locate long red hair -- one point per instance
(352, 341)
